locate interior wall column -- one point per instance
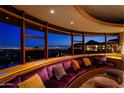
(122, 42)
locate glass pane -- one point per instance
(112, 44)
(94, 44)
(78, 45)
(34, 32)
(34, 55)
(9, 45)
(36, 44)
(59, 45)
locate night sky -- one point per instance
(10, 38)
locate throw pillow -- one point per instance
(58, 71)
(33, 82)
(75, 65)
(87, 61)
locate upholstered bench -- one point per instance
(48, 78)
(115, 74)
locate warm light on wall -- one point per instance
(122, 42)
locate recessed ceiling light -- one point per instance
(121, 30)
(41, 28)
(71, 22)
(7, 17)
(52, 11)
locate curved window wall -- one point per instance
(26, 40)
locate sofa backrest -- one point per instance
(42, 72)
(66, 64)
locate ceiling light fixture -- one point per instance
(71, 22)
(7, 17)
(52, 11)
(121, 30)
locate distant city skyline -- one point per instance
(10, 38)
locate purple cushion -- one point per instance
(54, 84)
(80, 61)
(42, 72)
(66, 78)
(101, 58)
(90, 68)
(49, 69)
(74, 73)
(67, 64)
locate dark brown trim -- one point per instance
(22, 38)
(105, 43)
(31, 36)
(83, 42)
(78, 41)
(72, 42)
(46, 41)
(119, 39)
(33, 49)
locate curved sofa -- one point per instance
(48, 78)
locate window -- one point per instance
(78, 45)
(34, 42)
(59, 45)
(112, 44)
(9, 41)
(94, 44)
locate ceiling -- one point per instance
(84, 17)
(108, 13)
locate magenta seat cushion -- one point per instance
(54, 84)
(67, 64)
(66, 78)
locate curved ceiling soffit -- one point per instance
(92, 19)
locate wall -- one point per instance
(122, 42)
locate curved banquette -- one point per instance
(46, 72)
